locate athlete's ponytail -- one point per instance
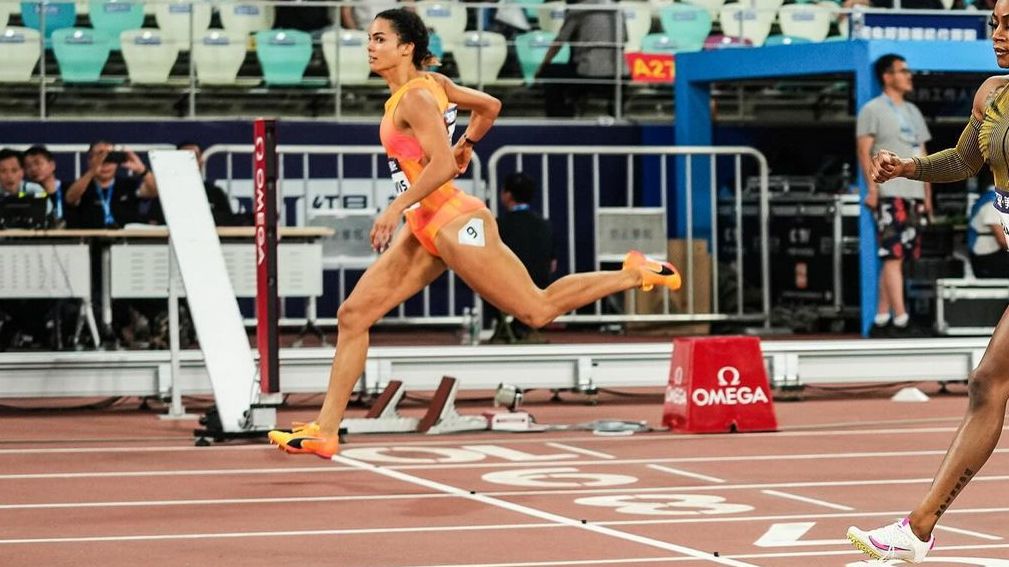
(411, 29)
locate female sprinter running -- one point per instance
(983, 140)
(446, 227)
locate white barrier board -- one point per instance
(211, 297)
(45, 270)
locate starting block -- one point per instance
(441, 416)
(383, 417)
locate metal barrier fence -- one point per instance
(621, 219)
(343, 187)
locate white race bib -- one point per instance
(472, 234)
(399, 179)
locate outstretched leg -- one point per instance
(399, 273)
(988, 387)
(979, 432)
(493, 271)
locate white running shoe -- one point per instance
(895, 541)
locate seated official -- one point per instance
(986, 239)
(12, 175)
(13, 187)
(103, 197)
(40, 167)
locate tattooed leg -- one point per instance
(977, 436)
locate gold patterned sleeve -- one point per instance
(953, 164)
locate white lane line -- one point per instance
(665, 438)
(187, 472)
(681, 472)
(299, 533)
(586, 452)
(525, 510)
(219, 501)
(968, 533)
(563, 563)
(852, 552)
(823, 503)
(163, 449)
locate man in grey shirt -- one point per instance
(902, 205)
(594, 35)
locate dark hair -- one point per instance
(885, 63)
(521, 186)
(185, 143)
(411, 29)
(7, 153)
(91, 148)
(40, 151)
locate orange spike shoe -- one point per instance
(306, 438)
(653, 272)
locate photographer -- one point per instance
(102, 198)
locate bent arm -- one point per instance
(952, 164)
(484, 108)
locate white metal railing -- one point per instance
(557, 168)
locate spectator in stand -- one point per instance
(594, 37)
(103, 197)
(292, 14)
(986, 239)
(12, 175)
(40, 167)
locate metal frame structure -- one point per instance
(638, 190)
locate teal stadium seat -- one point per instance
(531, 47)
(20, 52)
(660, 43)
(283, 55)
(59, 15)
(689, 25)
(149, 55)
(81, 53)
(347, 64)
(785, 40)
(116, 16)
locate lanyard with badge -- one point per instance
(906, 130)
(59, 199)
(105, 195)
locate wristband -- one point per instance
(468, 140)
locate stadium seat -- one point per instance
(712, 6)
(659, 43)
(637, 22)
(173, 20)
(532, 7)
(283, 55)
(551, 16)
(719, 41)
(351, 66)
(446, 18)
(218, 55)
(808, 21)
(243, 19)
(59, 15)
(531, 47)
(149, 55)
(480, 56)
(5, 12)
(81, 53)
(20, 51)
(116, 16)
(784, 40)
(435, 45)
(749, 23)
(689, 25)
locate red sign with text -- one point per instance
(718, 385)
(651, 67)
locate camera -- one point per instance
(115, 156)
